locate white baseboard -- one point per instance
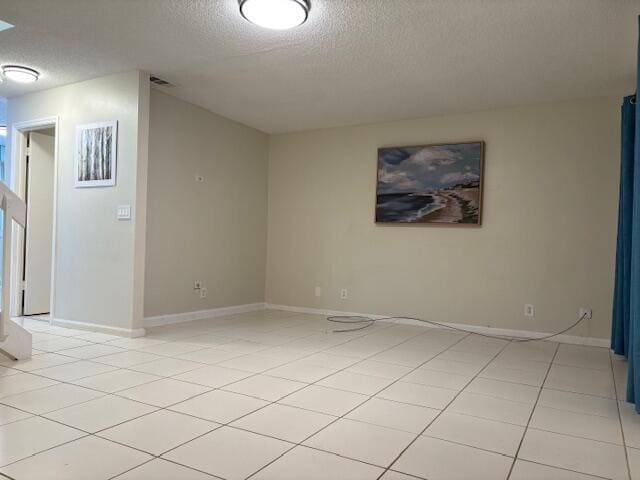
(201, 314)
(564, 338)
(95, 327)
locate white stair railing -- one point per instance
(14, 209)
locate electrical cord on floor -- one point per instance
(369, 321)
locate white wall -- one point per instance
(548, 233)
(213, 231)
(95, 276)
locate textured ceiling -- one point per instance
(358, 61)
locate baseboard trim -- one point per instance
(95, 327)
(564, 338)
(161, 320)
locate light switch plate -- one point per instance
(124, 212)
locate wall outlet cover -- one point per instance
(203, 292)
(344, 294)
(528, 310)
(197, 285)
(585, 312)
(318, 292)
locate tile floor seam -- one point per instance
(526, 428)
(389, 467)
(624, 441)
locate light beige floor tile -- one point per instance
(477, 432)
(5, 372)
(595, 358)
(208, 356)
(167, 367)
(391, 475)
(86, 458)
(127, 359)
(579, 403)
(76, 370)
(330, 361)
(252, 363)
(159, 431)
(505, 373)
(24, 438)
(53, 343)
(435, 378)
(416, 394)
(36, 362)
(50, 398)
(361, 441)
(355, 382)
(163, 393)
(300, 371)
(116, 380)
(581, 380)
(92, 351)
(134, 343)
(523, 470)
(212, 376)
(172, 349)
(265, 387)
(305, 463)
(506, 390)
(577, 454)
(452, 366)
(634, 463)
(22, 382)
(10, 414)
(100, 413)
(441, 460)
(630, 424)
(159, 469)
(97, 337)
(217, 453)
(379, 369)
(324, 400)
(284, 422)
(492, 408)
(219, 406)
(605, 429)
(401, 416)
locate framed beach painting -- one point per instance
(430, 184)
(96, 154)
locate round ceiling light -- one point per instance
(275, 14)
(20, 74)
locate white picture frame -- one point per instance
(96, 154)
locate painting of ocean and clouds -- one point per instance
(431, 184)
(95, 156)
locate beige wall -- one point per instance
(213, 231)
(96, 253)
(548, 234)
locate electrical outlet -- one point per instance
(203, 292)
(199, 178)
(318, 291)
(528, 310)
(344, 294)
(585, 312)
(197, 285)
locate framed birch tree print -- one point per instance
(95, 156)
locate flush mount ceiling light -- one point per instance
(20, 74)
(3, 130)
(275, 14)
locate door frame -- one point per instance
(17, 183)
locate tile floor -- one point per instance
(277, 395)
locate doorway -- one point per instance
(33, 178)
(37, 259)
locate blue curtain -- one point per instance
(625, 338)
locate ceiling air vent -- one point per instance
(159, 81)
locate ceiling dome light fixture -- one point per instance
(275, 14)
(20, 74)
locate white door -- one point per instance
(39, 231)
